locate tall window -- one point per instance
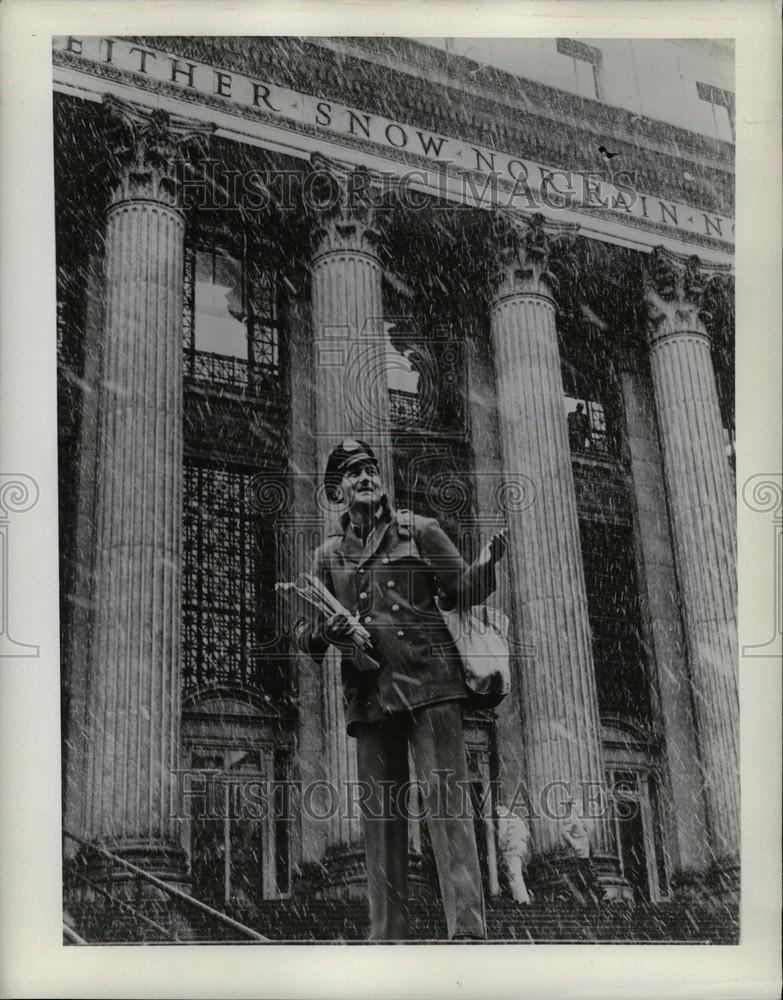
(638, 831)
(228, 582)
(587, 62)
(404, 380)
(722, 105)
(426, 379)
(590, 412)
(239, 836)
(231, 320)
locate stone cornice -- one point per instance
(523, 94)
(652, 151)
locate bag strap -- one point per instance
(406, 524)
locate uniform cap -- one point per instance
(347, 453)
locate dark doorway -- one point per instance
(208, 861)
(633, 854)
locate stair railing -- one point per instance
(71, 936)
(126, 907)
(170, 890)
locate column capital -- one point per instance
(677, 292)
(342, 200)
(145, 146)
(524, 246)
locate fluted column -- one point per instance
(702, 511)
(134, 696)
(351, 397)
(557, 685)
(350, 345)
(688, 840)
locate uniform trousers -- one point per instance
(436, 736)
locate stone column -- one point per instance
(350, 393)
(75, 750)
(498, 493)
(562, 731)
(349, 341)
(659, 592)
(134, 694)
(702, 513)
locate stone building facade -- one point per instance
(265, 244)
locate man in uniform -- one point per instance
(388, 568)
(579, 433)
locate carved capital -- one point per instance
(679, 293)
(342, 201)
(525, 247)
(146, 148)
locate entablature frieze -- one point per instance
(612, 209)
(362, 71)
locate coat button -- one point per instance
(395, 607)
(400, 634)
(363, 595)
(362, 571)
(368, 618)
(389, 584)
(385, 560)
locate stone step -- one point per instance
(347, 921)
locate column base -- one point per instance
(724, 881)
(719, 885)
(167, 862)
(559, 877)
(343, 875)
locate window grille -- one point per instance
(228, 580)
(404, 408)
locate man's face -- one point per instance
(361, 485)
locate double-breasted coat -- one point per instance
(391, 583)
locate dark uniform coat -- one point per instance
(390, 583)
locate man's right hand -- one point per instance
(338, 630)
